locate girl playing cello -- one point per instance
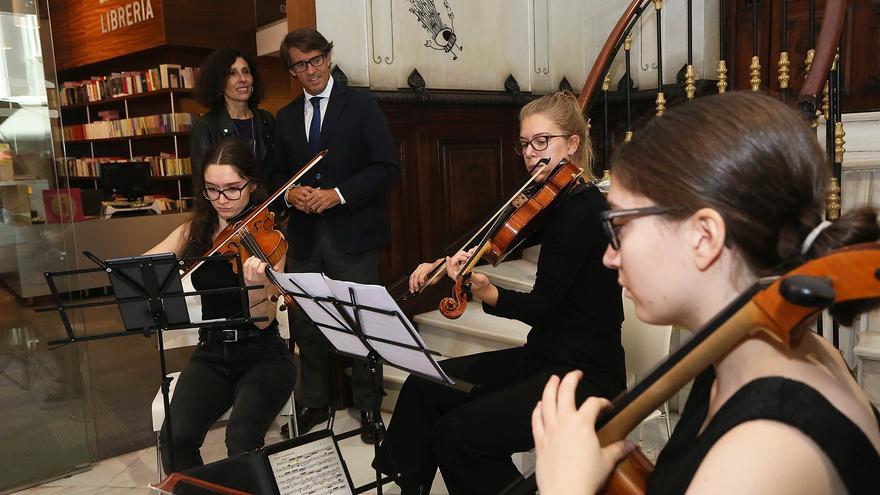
(705, 200)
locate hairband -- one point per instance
(811, 237)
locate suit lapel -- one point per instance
(299, 125)
(338, 99)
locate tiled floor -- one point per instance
(131, 473)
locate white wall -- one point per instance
(379, 42)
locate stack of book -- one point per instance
(118, 84)
(167, 165)
(85, 167)
(135, 126)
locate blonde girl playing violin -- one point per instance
(246, 367)
(738, 196)
(575, 311)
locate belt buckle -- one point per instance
(229, 335)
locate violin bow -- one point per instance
(438, 271)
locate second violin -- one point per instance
(519, 218)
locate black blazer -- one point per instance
(216, 125)
(361, 161)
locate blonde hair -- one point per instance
(563, 110)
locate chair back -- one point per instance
(645, 345)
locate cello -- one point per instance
(846, 281)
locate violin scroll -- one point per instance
(453, 307)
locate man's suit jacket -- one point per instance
(360, 161)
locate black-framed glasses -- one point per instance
(538, 143)
(230, 193)
(315, 61)
(612, 229)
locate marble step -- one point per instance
(532, 253)
(518, 275)
(475, 331)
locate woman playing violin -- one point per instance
(575, 310)
(247, 367)
(696, 217)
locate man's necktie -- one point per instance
(315, 126)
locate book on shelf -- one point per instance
(164, 165)
(119, 84)
(169, 75)
(134, 126)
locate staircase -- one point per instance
(475, 331)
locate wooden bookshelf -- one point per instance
(120, 99)
(137, 147)
(130, 138)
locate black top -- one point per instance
(217, 274)
(217, 125)
(245, 129)
(775, 398)
(575, 308)
(362, 161)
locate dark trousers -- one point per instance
(470, 437)
(255, 377)
(314, 351)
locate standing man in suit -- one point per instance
(338, 220)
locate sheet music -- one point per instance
(311, 469)
(388, 327)
(314, 285)
(325, 315)
(376, 324)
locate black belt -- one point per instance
(227, 335)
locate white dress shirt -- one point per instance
(308, 110)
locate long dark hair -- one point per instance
(753, 160)
(204, 220)
(214, 72)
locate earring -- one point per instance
(252, 89)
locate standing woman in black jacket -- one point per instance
(230, 86)
(575, 311)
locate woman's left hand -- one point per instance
(569, 457)
(254, 272)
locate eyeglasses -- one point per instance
(538, 143)
(315, 61)
(613, 230)
(230, 193)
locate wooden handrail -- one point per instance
(609, 49)
(826, 49)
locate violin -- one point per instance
(518, 219)
(845, 281)
(255, 235)
(259, 238)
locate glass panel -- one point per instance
(44, 431)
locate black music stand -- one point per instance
(364, 322)
(149, 293)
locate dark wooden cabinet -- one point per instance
(457, 167)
